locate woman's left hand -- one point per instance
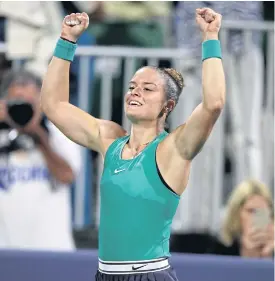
(208, 20)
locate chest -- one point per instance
(133, 178)
(129, 153)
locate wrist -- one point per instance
(210, 36)
(65, 48)
(211, 49)
(68, 37)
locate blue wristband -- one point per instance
(65, 50)
(211, 49)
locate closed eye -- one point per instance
(131, 88)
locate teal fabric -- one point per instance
(65, 50)
(137, 208)
(211, 49)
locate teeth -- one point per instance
(134, 103)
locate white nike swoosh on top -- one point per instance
(119, 170)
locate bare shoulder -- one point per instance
(110, 129)
(109, 132)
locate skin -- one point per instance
(147, 87)
(57, 166)
(255, 242)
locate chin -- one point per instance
(133, 117)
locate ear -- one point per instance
(170, 106)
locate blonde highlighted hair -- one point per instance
(231, 229)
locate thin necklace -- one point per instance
(138, 152)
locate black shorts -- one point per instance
(162, 275)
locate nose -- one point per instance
(136, 92)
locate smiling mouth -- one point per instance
(134, 103)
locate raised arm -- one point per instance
(182, 145)
(191, 137)
(76, 124)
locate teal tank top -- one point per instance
(136, 207)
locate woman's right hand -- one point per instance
(3, 111)
(74, 25)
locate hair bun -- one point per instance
(176, 76)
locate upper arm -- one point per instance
(65, 148)
(188, 139)
(82, 128)
(176, 151)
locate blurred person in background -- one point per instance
(37, 165)
(136, 10)
(248, 227)
(35, 25)
(41, 29)
(141, 183)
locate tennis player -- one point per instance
(147, 170)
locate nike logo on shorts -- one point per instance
(138, 267)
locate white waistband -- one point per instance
(133, 267)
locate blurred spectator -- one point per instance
(189, 39)
(248, 228)
(37, 165)
(136, 10)
(31, 31)
(95, 9)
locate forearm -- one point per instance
(57, 166)
(55, 86)
(213, 80)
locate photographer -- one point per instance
(37, 165)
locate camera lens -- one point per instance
(20, 112)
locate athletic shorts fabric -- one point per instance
(163, 275)
(146, 270)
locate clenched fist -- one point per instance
(208, 20)
(74, 25)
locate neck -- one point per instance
(143, 134)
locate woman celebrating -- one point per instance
(146, 171)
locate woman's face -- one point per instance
(146, 98)
(248, 209)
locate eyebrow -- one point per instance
(147, 83)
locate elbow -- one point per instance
(44, 107)
(218, 105)
(48, 107)
(44, 103)
(215, 106)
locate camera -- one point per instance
(20, 112)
